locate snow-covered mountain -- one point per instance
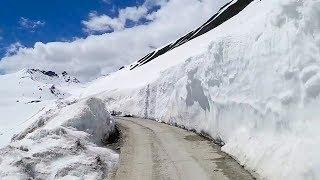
(47, 133)
(249, 78)
(27, 93)
(226, 12)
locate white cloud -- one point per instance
(30, 24)
(103, 23)
(13, 48)
(100, 54)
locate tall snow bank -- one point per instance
(256, 87)
(63, 143)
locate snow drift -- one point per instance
(252, 83)
(63, 143)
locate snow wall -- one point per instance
(256, 89)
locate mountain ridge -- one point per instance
(226, 12)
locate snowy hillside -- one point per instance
(226, 12)
(28, 93)
(63, 143)
(253, 84)
(46, 133)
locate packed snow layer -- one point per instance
(253, 83)
(62, 144)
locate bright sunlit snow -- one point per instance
(27, 94)
(252, 84)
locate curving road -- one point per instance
(153, 150)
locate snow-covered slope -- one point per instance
(47, 133)
(62, 144)
(26, 94)
(252, 83)
(226, 12)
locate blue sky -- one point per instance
(31, 21)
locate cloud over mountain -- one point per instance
(98, 55)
